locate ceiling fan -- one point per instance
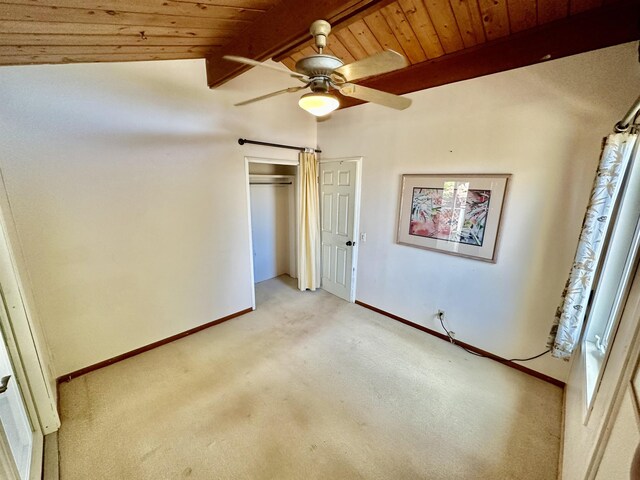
(325, 73)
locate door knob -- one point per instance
(350, 243)
(4, 383)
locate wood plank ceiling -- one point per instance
(444, 40)
(429, 29)
(69, 31)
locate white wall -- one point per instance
(544, 125)
(127, 187)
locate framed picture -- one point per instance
(455, 214)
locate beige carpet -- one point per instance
(308, 387)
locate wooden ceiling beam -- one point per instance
(280, 29)
(594, 29)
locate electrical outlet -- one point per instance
(451, 334)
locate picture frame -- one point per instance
(456, 214)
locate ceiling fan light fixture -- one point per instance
(318, 103)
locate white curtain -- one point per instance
(309, 223)
(567, 326)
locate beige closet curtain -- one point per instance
(309, 222)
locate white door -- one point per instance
(339, 190)
(16, 435)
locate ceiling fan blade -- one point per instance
(254, 63)
(272, 94)
(374, 96)
(377, 64)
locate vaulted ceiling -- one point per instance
(444, 40)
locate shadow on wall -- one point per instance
(551, 212)
(141, 103)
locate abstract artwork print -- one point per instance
(454, 213)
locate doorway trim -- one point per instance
(272, 161)
(25, 359)
(356, 219)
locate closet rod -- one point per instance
(242, 141)
(623, 125)
(274, 184)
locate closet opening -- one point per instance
(272, 188)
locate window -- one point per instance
(613, 283)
